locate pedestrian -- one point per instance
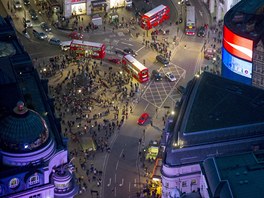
(151, 122)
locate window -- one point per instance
(36, 196)
(193, 182)
(14, 183)
(34, 179)
(184, 184)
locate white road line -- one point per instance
(115, 191)
(121, 153)
(146, 107)
(140, 49)
(109, 184)
(117, 164)
(127, 43)
(122, 183)
(115, 178)
(135, 183)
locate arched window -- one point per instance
(34, 179)
(14, 183)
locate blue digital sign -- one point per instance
(235, 68)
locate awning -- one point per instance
(98, 3)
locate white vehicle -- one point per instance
(65, 45)
(97, 20)
(170, 76)
(27, 23)
(128, 3)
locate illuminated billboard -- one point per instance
(236, 45)
(235, 68)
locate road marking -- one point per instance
(129, 186)
(122, 183)
(109, 182)
(115, 178)
(117, 164)
(127, 43)
(140, 49)
(135, 183)
(146, 107)
(115, 191)
(201, 13)
(121, 153)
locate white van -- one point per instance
(65, 45)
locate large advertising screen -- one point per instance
(236, 45)
(235, 68)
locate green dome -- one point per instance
(24, 130)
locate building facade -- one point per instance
(216, 116)
(258, 65)
(33, 156)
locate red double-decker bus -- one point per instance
(155, 17)
(133, 66)
(88, 49)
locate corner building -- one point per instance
(33, 156)
(215, 117)
(242, 51)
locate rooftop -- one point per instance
(241, 175)
(217, 116)
(246, 18)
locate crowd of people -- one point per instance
(90, 101)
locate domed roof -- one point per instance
(24, 130)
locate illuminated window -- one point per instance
(36, 196)
(184, 184)
(193, 182)
(14, 183)
(34, 179)
(62, 186)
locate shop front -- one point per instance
(75, 7)
(99, 6)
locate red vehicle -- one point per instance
(133, 66)
(155, 17)
(143, 118)
(75, 35)
(88, 49)
(115, 60)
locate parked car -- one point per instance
(143, 118)
(17, 4)
(156, 75)
(27, 23)
(201, 31)
(75, 35)
(39, 35)
(114, 60)
(26, 2)
(162, 60)
(45, 27)
(33, 14)
(170, 76)
(130, 51)
(55, 41)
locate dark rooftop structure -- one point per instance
(238, 175)
(246, 19)
(216, 116)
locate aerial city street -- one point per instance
(130, 103)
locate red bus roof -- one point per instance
(155, 10)
(87, 43)
(135, 62)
